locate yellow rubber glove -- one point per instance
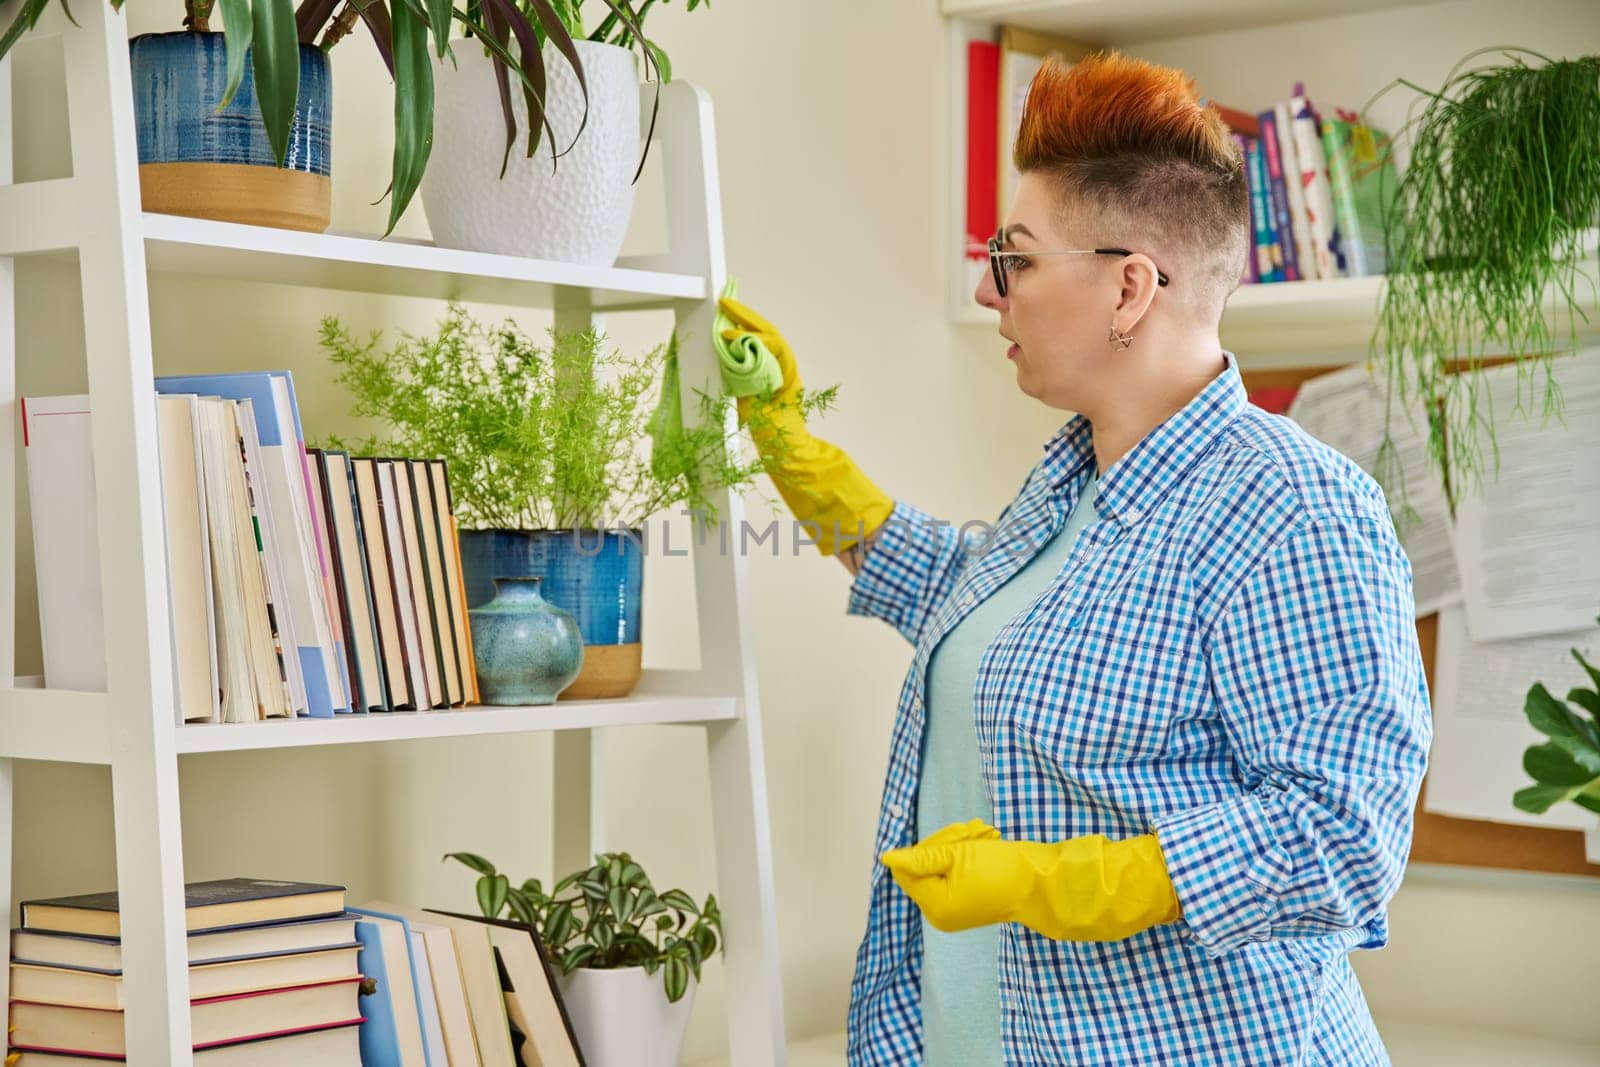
(1082, 889)
(819, 481)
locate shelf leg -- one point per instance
(144, 762)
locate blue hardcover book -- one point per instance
(404, 1026)
(1278, 194)
(379, 1037)
(1269, 255)
(319, 654)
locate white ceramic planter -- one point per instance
(576, 213)
(623, 1018)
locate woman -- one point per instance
(1155, 760)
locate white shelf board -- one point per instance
(399, 267)
(1285, 323)
(636, 710)
(53, 724)
(1119, 22)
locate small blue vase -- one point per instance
(526, 649)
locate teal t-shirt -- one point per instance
(960, 971)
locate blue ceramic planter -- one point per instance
(597, 576)
(196, 158)
(526, 649)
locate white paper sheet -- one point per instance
(1479, 729)
(1528, 542)
(1346, 409)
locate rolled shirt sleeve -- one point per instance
(1318, 677)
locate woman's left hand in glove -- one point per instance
(1081, 889)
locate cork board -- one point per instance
(1444, 839)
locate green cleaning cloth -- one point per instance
(666, 422)
(748, 368)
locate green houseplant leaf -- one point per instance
(608, 916)
(1566, 767)
(275, 55)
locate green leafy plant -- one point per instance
(410, 35)
(607, 917)
(1566, 767)
(623, 26)
(541, 436)
(1494, 211)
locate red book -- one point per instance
(983, 146)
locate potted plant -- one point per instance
(545, 444)
(610, 934)
(1567, 766)
(270, 68)
(480, 197)
(1497, 209)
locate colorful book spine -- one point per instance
(1364, 183)
(1289, 159)
(1269, 256)
(1313, 159)
(1278, 195)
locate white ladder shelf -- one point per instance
(96, 215)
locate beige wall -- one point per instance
(832, 152)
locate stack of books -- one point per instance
(302, 582)
(274, 977)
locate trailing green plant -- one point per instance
(1567, 766)
(607, 917)
(542, 435)
(1493, 213)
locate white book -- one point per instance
(194, 632)
(404, 605)
(427, 1003)
(274, 551)
(66, 549)
(1300, 223)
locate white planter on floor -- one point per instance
(576, 213)
(623, 1018)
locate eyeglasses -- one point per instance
(998, 259)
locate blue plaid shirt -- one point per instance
(1228, 659)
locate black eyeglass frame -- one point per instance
(997, 268)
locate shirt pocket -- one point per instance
(1106, 669)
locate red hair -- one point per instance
(1142, 160)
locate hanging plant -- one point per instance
(1496, 210)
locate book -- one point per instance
(289, 526)
(428, 1003)
(324, 1046)
(59, 450)
(455, 584)
(1278, 196)
(1289, 157)
(548, 1026)
(352, 581)
(212, 1020)
(1269, 253)
(48, 948)
(386, 610)
(432, 550)
(479, 975)
(983, 164)
(1313, 160)
(405, 582)
(393, 1030)
(96, 989)
(197, 693)
(449, 990)
(213, 905)
(1361, 171)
